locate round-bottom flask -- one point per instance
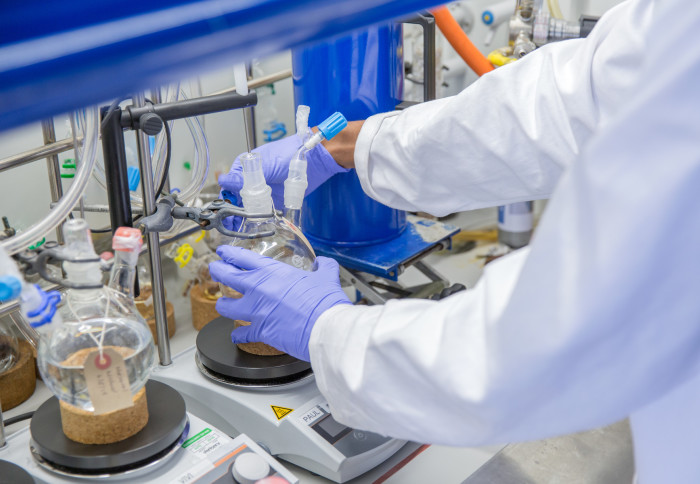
(98, 360)
(287, 244)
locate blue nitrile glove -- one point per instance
(281, 301)
(275, 162)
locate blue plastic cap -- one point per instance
(487, 17)
(10, 287)
(46, 310)
(230, 196)
(333, 125)
(134, 177)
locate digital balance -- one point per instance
(274, 400)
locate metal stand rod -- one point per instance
(427, 22)
(249, 117)
(157, 99)
(260, 81)
(47, 128)
(3, 442)
(36, 154)
(249, 123)
(116, 176)
(153, 243)
(188, 108)
(98, 208)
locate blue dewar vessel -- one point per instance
(360, 74)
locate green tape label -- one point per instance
(195, 438)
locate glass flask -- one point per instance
(9, 348)
(144, 301)
(287, 244)
(202, 277)
(95, 318)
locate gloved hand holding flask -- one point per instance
(282, 302)
(275, 162)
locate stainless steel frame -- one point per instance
(45, 151)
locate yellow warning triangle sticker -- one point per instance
(281, 412)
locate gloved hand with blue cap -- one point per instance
(281, 302)
(276, 157)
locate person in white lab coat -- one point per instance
(598, 320)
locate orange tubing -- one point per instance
(461, 43)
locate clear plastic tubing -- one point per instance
(59, 213)
(201, 161)
(200, 168)
(295, 186)
(159, 153)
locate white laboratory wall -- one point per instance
(24, 191)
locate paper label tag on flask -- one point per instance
(107, 381)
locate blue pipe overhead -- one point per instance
(59, 56)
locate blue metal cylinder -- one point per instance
(360, 74)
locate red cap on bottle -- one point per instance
(127, 239)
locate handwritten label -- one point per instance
(107, 381)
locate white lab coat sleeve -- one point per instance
(509, 136)
(597, 319)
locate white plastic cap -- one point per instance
(256, 194)
(79, 246)
(240, 77)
